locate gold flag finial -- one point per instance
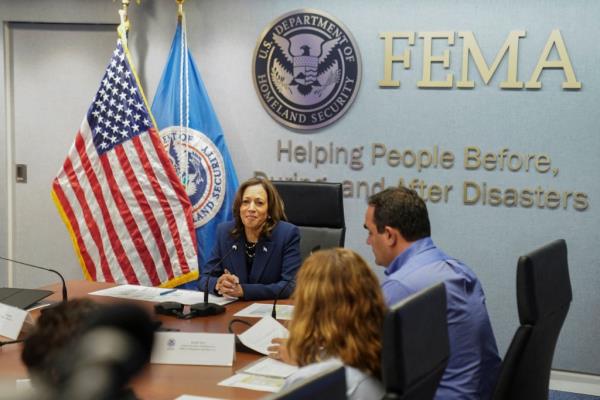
(123, 14)
(180, 7)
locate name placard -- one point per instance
(11, 321)
(193, 348)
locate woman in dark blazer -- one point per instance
(257, 254)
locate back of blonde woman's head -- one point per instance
(338, 311)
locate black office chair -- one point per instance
(415, 348)
(329, 384)
(543, 299)
(317, 208)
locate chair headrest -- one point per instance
(543, 283)
(415, 339)
(312, 203)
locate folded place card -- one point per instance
(193, 348)
(11, 321)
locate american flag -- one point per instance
(124, 206)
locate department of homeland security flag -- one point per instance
(127, 212)
(193, 137)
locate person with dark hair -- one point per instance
(399, 235)
(259, 251)
(338, 317)
(53, 333)
(78, 339)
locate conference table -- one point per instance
(157, 381)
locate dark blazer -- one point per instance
(275, 264)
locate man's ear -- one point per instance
(391, 236)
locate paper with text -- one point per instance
(11, 321)
(269, 367)
(259, 310)
(259, 336)
(254, 382)
(158, 295)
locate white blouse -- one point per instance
(359, 385)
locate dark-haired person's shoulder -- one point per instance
(284, 227)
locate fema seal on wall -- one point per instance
(201, 170)
(307, 69)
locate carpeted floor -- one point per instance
(556, 395)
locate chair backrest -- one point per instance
(317, 208)
(329, 384)
(415, 348)
(543, 298)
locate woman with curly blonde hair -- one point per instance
(338, 316)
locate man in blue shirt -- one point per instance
(399, 235)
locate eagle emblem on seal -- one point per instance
(192, 175)
(306, 67)
(200, 167)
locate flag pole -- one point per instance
(184, 98)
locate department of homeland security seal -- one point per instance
(204, 175)
(307, 69)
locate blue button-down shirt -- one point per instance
(474, 362)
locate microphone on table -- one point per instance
(274, 311)
(206, 308)
(64, 286)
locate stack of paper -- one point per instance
(265, 374)
(259, 310)
(145, 293)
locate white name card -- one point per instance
(193, 348)
(11, 321)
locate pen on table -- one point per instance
(167, 292)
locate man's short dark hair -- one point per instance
(401, 208)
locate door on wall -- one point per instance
(55, 72)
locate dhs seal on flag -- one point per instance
(307, 69)
(200, 168)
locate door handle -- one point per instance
(21, 173)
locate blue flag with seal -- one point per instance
(193, 138)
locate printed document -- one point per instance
(258, 337)
(259, 310)
(254, 382)
(158, 295)
(269, 367)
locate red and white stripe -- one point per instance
(129, 213)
